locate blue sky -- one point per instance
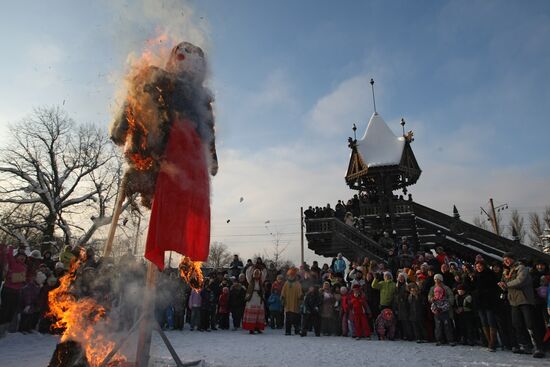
(291, 77)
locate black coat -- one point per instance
(485, 290)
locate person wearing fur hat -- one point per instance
(521, 296)
(386, 325)
(441, 309)
(291, 296)
(386, 288)
(14, 282)
(360, 311)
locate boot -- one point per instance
(487, 335)
(492, 339)
(538, 352)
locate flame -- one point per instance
(81, 319)
(191, 272)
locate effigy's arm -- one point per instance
(119, 128)
(212, 145)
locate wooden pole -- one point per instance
(302, 233)
(146, 324)
(114, 221)
(494, 217)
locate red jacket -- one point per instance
(346, 303)
(17, 272)
(223, 303)
(359, 304)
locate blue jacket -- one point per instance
(340, 266)
(274, 302)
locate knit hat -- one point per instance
(343, 290)
(438, 277)
(59, 265)
(421, 276)
(388, 274)
(356, 286)
(292, 272)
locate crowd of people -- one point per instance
(421, 297)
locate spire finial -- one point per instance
(373, 99)
(403, 125)
(354, 128)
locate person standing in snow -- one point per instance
(291, 296)
(237, 301)
(254, 311)
(360, 310)
(443, 324)
(519, 287)
(30, 310)
(11, 291)
(309, 310)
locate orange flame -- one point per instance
(80, 318)
(191, 272)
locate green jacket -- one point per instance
(387, 291)
(520, 286)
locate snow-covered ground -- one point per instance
(238, 349)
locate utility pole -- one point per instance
(302, 234)
(492, 217)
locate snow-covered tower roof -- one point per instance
(380, 160)
(379, 146)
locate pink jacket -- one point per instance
(17, 272)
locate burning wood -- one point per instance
(83, 320)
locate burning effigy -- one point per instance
(166, 130)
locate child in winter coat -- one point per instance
(347, 323)
(275, 308)
(195, 303)
(237, 301)
(441, 308)
(310, 312)
(30, 299)
(223, 309)
(360, 310)
(386, 324)
(465, 320)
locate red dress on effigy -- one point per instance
(180, 214)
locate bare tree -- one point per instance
(67, 172)
(219, 256)
(517, 224)
(278, 249)
(546, 217)
(481, 223)
(536, 228)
